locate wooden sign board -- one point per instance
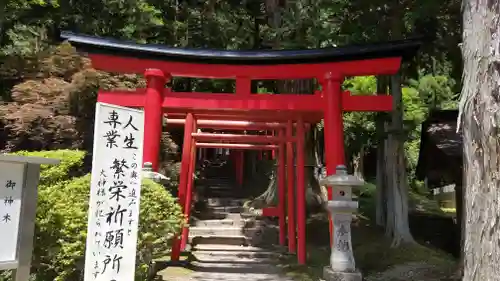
(19, 178)
(11, 187)
(114, 194)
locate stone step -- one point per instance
(218, 178)
(227, 248)
(214, 192)
(207, 215)
(235, 254)
(231, 216)
(214, 231)
(218, 187)
(228, 221)
(214, 215)
(219, 193)
(254, 267)
(226, 209)
(216, 223)
(222, 231)
(220, 239)
(227, 256)
(224, 201)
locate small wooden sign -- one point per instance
(19, 177)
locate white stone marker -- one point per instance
(19, 176)
(114, 194)
(342, 264)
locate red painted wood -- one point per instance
(153, 115)
(243, 86)
(209, 101)
(237, 146)
(189, 192)
(207, 137)
(183, 177)
(251, 116)
(229, 125)
(270, 212)
(365, 102)
(292, 243)
(120, 64)
(282, 190)
(334, 130)
(273, 153)
(176, 102)
(301, 195)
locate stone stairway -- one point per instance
(227, 248)
(224, 242)
(221, 222)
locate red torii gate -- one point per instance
(244, 109)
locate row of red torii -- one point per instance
(244, 110)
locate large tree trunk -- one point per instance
(357, 163)
(459, 202)
(480, 112)
(396, 189)
(315, 195)
(397, 226)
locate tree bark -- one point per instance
(480, 116)
(315, 195)
(459, 203)
(397, 226)
(357, 163)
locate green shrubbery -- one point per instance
(70, 166)
(61, 224)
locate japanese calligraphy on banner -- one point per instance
(114, 194)
(11, 185)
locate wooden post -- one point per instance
(153, 116)
(292, 243)
(334, 130)
(189, 190)
(281, 173)
(183, 179)
(301, 195)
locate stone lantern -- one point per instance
(341, 207)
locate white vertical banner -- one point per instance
(11, 188)
(115, 192)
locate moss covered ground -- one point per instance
(373, 252)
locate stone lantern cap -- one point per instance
(341, 178)
(148, 167)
